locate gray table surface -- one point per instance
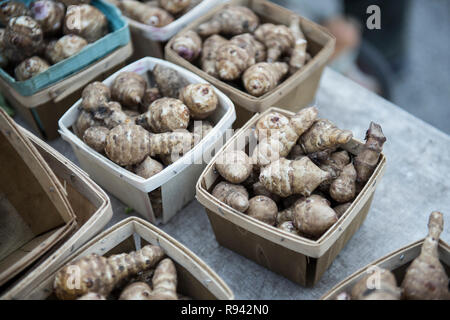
(416, 182)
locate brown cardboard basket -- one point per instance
(43, 109)
(195, 279)
(91, 206)
(296, 91)
(397, 262)
(299, 259)
(35, 212)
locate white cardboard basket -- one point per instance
(177, 181)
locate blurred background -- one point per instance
(407, 61)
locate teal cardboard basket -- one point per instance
(119, 35)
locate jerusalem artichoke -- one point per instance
(22, 39)
(167, 114)
(263, 77)
(92, 296)
(152, 16)
(298, 55)
(165, 281)
(235, 166)
(170, 143)
(343, 188)
(288, 226)
(209, 54)
(277, 38)
(128, 88)
(136, 291)
(254, 48)
(263, 208)
(95, 137)
(231, 61)
(259, 190)
(379, 286)
(85, 21)
(150, 95)
(12, 9)
(84, 121)
(95, 95)
(235, 196)
(169, 81)
(187, 45)
(30, 67)
(200, 98)
(174, 6)
(49, 14)
(148, 168)
(65, 47)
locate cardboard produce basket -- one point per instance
(297, 258)
(35, 212)
(294, 92)
(43, 109)
(195, 278)
(92, 209)
(397, 262)
(177, 181)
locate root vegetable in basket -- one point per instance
(425, 278)
(136, 291)
(187, 45)
(313, 216)
(127, 144)
(277, 38)
(174, 6)
(298, 54)
(95, 137)
(167, 114)
(165, 281)
(343, 188)
(85, 21)
(148, 168)
(209, 53)
(288, 226)
(263, 208)
(3, 56)
(232, 20)
(335, 163)
(150, 95)
(85, 120)
(112, 115)
(367, 160)
(263, 77)
(231, 61)
(254, 48)
(286, 177)
(235, 166)
(12, 9)
(170, 143)
(234, 195)
(30, 67)
(200, 98)
(22, 39)
(259, 190)
(99, 274)
(322, 135)
(95, 95)
(65, 47)
(152, 16)
(92, 296)
(378, 286)
(169, 81)
(49, 14)
(128, 88)
(200, 129)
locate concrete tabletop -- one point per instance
(416, 182)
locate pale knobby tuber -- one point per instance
(99, 274)
(231, 61)
(165, 281)
(298, 54)
(343, 188)
(167, 114)
(84, 121)
(322, 135)
(49, 14)
(255, 48)
(95, 95)
(95, 137)
(170, 143)
(136, 291)
(288, 226)
(187, 45)
(12, 9)
(277, 38)
(149, 15)
(200, 128)
(209, 53)
(233, 195)
(380, 285)
(112, 114)
(169, 81)
(296, 153)
(234, 166)
(287, 177)
(367, 160)
(128, 88)
(174, 6)
(259, 190)
(148, 168)
(343, 296)
(22, 39)
(335, 163)
(313, 216)
(65, 47)
(263, 77)
(288, 213)
(30, 67)
(200, 98)
(319, 156)
(150, 95)
(232, 20)
(426, 278)
(262, 208)
(92, 296)
(85, 21)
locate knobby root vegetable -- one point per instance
(234, 166)
(3, 56)
(322, 135)
(425, 278)
(128, 88)
(95, 95)
(169, 81)
(232, 20)
(136, 291)
(95, 137)
(92, 296)
(30, 67)
(298, 55)
(200, 98)
(165, 281)
(296, 153)
(209, 53)
(288, 213)
(12, 9)
(235, 196)
(22, 39)
(259, 190)
(254, 48)
(49, 14)
(174, 6)
(167, 114)
(231, 61)
(170, 143)
(288, 226)
(150, 95)
(380, 285)
(313, 216)
(85, 21)
(343, 296)
(99, 274)
(263, 77)
(342, 208)
(112, 114)
(156, 202)
(277, 38)
(343, 188)
(335, 163)
(319, 156)
(127, 144)
(85, 120)
(287, 177)
(187, 45)
(65, 47)
(367, 160)
(148, 168)
(200, 129)
(263, 208)
(266, 125)
(145, 14)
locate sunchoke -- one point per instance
(92, 296)
(95, 137)
(259, 190)
(277, 38)
(85, 21)
(99, 274)
(84, 121)
(12, 9)
(209, 53)
(167, 114)
(165, 281)
(367, 160)
(426, 278)
(174, 6)
(200, 98)
(170, 143)
(22, 39)
(230, 20)
(136, 291)
(231, 61)
(187, 45)
(343, 188)
(235, 166)
(233, 195)
(148, 168)
(152, 16)
(150, 95)
(65, 47)
(95, 95)
(335, 163)
(263, 208)
(49, 14)
(30, 67)
(255, 48)
(298, 55)
(379, 286)
(169, 81)
(128, 88)
(288, 226)
(263, 77)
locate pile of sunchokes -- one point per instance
(236, 48)
(145, 274)
(298, 177)
(46, 33)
